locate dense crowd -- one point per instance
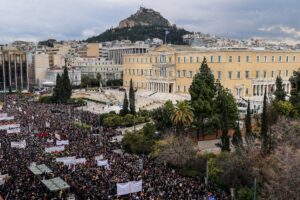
(87, 181)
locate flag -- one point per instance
(167, 32)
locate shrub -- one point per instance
(115, 120)
(46, 99)
(140, 142)
(77, 102)
(244, 193)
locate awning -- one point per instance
(55, 184)
(39, 169)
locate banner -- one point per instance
(3, 115)
(129, 187)
(75, 161)
(80, 160)
(136, 186)
(99, 157)
(19, 145)
(13, 130)
(42, 134)
(123, 189)
(54, 149)
(63, 159)
(9, 126)
(102, 163)
(7, 118)
(62, 142)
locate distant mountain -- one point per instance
(144, 24)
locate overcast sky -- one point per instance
(78, 19)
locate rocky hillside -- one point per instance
(145, 17)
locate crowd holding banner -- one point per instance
(88, 180)
(129, 187)
(19, 145)
(62, 142)
(54, 149)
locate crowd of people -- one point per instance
(86, 181)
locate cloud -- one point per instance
(78, 19)
(288, 34)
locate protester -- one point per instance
(43, 124)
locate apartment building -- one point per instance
(93, 66)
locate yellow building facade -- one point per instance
(247, 73)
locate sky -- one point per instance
(35, 20)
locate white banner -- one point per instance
(13, 130)
(7, 118)
(80, 160)
(129, 187)
(63, 159)
(62, 142)
(3, 115)
(102, 163)
(123, 188)
(136, 186)
(54, 149)
(99, 157)
(19, 145)
(75, 161)
(9, 126)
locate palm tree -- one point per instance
(183, 115)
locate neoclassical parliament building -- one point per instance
(246, 72)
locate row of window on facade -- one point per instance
(258, 74)
(265, 59)
(213, 59)
(189, 74)
(101, 69)
(140, 72)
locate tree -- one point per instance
(124, 110)
(248, 125)
(183, 114)
(264, 127)
(176, 151)
(131, 98)
(66, 84)
(279, 92)
(228, 115)
(162, 116)
(295, 91)
(203, 93)
(63, 90)
(57, 90)
(237, 139)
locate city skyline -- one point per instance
(35, 20)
